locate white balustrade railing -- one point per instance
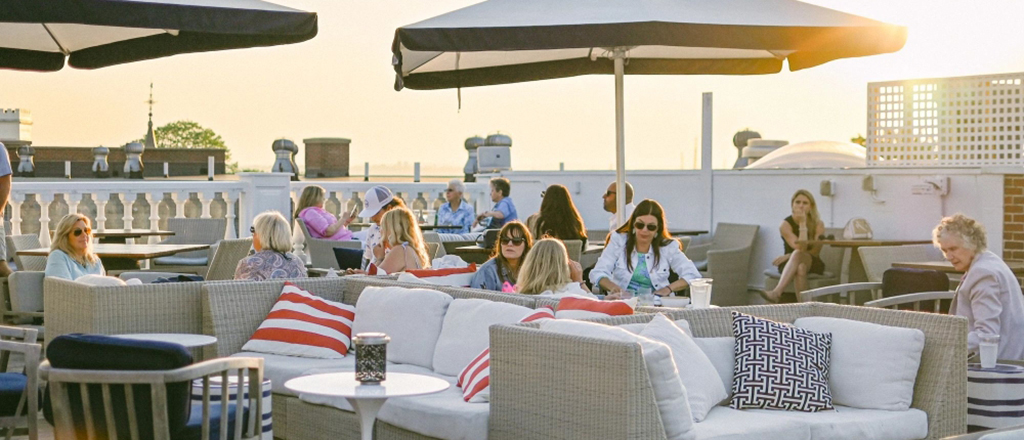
(126, 192)
(420, 197)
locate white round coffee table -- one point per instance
(187, 339)
(366, 399)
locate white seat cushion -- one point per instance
(873, 366)
(279, 368)
(444, 415)
(411, 317)
(724, 423)
(846, 423)
(181, 261)
(465, 332)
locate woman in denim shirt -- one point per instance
(501, 271)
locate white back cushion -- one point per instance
(703, 385)
(465, 332)
(722, 354)
(668, 388)
(411, 317)
(637, 328)
(873, 366)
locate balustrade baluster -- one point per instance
(74, 199)
(101, 200)
(154, 214)
(128, 201)
(229, 214)
(180, 199)
(44, 200)
(205, 199)
(17, 199)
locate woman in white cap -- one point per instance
(379, 200)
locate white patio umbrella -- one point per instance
(39, 35)
(510, 41)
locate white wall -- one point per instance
(762, 197)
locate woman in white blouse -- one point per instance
(641, 255)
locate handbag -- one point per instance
(857, 228)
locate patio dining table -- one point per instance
(851, 266)
(117, 253)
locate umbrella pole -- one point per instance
(618, 57)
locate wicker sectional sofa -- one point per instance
(605, 392)
(544, 385)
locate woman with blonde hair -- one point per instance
(403, 242)
(271, 238)
(989, 294)
(71, 254)
(548, 271)
(799, 259)
(320, 223)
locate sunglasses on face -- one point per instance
(513, 240)
(79, 231)
(650, 226)
(252, 229)
(609, 193)
(542, 194)
(449, 190)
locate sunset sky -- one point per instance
(340, 84)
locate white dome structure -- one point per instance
(813, 154)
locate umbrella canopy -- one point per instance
(39, 35)
(509, 41)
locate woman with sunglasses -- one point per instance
(640, 255)
(548, 271)
(501, 272)
(272, 240)
(71, 254)
(558, 217)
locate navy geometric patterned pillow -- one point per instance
(779, 366)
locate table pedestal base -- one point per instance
(367, 410)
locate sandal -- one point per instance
(767, 297)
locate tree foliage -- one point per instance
(859, 140)
(189, 134)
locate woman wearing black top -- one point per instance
(800, 259)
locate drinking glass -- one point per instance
(700, 293)
(988, 346)
(645, 297)
(627, 294)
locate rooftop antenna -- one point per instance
(150, 141)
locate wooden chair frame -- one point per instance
(915, 299)
(15, 340)
(60, 379)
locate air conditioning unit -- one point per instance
(493, 159)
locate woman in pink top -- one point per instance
(319, 222)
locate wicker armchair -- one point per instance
(17, 243)
(190, 231)
(321, 251)
(727, 260)
(226, 255)
(23, 307)
(600, 389)
(831, 256)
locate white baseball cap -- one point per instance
(376, 198)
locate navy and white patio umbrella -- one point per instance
(510, 41)
(39, 35)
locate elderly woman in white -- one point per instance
(989, 295)
(640, 255)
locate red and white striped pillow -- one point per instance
(302, 324)
(475, 379)
(572, 307)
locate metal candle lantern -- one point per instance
(371, 357)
